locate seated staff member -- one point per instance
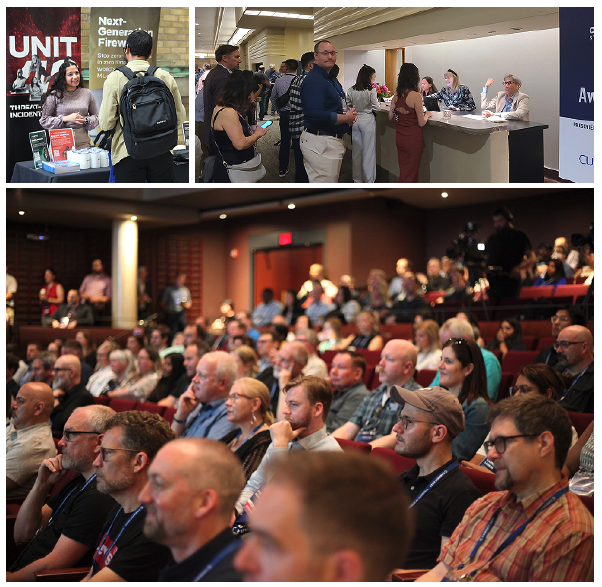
(509, 104)
(453, 95)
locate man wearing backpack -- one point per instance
(280, 102)
(146, 156)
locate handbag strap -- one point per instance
(213, 135)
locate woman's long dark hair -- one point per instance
(517, 336)
(236, 91)
(166, 383)
(364, 78)
(429, 80)
(559, 273)
(475, 383)
(59, 87)
(409, 79)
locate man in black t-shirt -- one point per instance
(71, 520)
(130, 443)
(192, 488)
(430, 419)
(509, 249)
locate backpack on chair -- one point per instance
(148, 112)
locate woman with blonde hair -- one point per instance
(248, 406)
(368, 337)
(426, 339)
(104, 374)
(141, 385)
(454, 95)
(123, 364)
(246, 361)
(331, 335)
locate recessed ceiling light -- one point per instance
(444, 194)
(134, 218)
(21, 212)
(223, 216)
(291, 206)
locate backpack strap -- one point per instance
(151, 70)
(126, 71)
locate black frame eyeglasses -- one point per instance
(69, 434)
(407, 422)
(104, 449)
(500, 442)
(565, 344)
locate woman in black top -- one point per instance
(509, 337)
(292, 307)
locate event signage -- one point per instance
(37, 42)
(109, 29)
(576, 125)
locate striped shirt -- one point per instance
(295, 121)
(558, 545)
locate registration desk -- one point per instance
(467, 150)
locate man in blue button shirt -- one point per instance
(509, 104)
(327, 118)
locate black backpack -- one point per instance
(148, 110)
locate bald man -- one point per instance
(28, 438)
(69, 392)
(575, 349)
(190, 494)
(373, 421)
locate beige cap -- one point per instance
(442, 404)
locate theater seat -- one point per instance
(102, 400)
(169, 413)
(150, 407)
(580, 421)
(484, 482)
(353, 445)
(425, 376)
(514, 361)
(122, 405)
(400, 464)
(588, 502)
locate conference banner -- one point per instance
(576, 126)
(109, 30)
(37, 42)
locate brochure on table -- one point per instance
(61, 141)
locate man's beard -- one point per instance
(74, 464)
(114, 485)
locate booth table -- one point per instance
(468, 150)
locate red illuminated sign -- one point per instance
(285, 238)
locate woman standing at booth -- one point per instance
(453, 95)
(406, 109)
(363, 137)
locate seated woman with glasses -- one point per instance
(462, 372)
(536, 378)
(248, 406)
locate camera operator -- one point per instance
(509, 248)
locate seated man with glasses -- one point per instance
(64, 531)
(439, 491)
(575, 349)
(509, 104)
(533, 528)
(130, 443)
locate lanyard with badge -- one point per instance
(368, 431)
(434, 482)
(572, 384)
(451, 576)
(104, 538)
(218, 558)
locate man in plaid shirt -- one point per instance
(296, 124)
(533, 529)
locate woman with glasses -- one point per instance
(104, 374)
(248, 406)
(141, 385)
(508, 338)
(462, 371)
(245, 358)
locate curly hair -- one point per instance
(59, 87)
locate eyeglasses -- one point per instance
(328, 53)
(68, 435)
(508, 83)
(559, 318)
(407, 422)
(103, 452)
(517, 389)
(565, 344)
(500, 442)
(236, 396)
(61, 368)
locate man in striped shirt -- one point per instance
(533, 529)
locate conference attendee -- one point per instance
(202, 410)
(73, 347)
(428, 345)
(102, 377)
(439, 491)
(265, 345)
(69, 105)
(346, 377)
(232, 137)
(318, 308)
(346, 306)
(462, 372)
(123, 364)
(129, 445)
(331, 335)
(368, 337)
(406, 110)
(509, 337)
(413, 302)
(290, 361)
(177, 300)
(158, 167)
(95, 289)
(306, 408)
(333, 516)
(565, 316)
(69, 392)
(73, 313)
(396, 291)
(248, 406)
(28, 437)
(189, 496)
(12, 368)
(267, 308)
(292, 308)
(575, 349)
(42, 368)
(11, 290)
(51, 295)
(134, 343)
(173, 369)
(63, 532)
(362, 97)
(548, 534)
(326, 122)
(144, 300)
(455, 96)
(554, 274)
(280, 90)
(245, 358)
(434, 280)
(32, 351)
(511, 104)
(428, 86)
(316, 271)
(141, 385)
(373, 421)
(315, 365)
(86, 340)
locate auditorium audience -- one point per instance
(173, 369)
(368, 337)
(428, 345)
(104, 374)
(565, 316)
(72, 347)
(554, 274)
(508, 337)
(331, 335)
(84, 337)
(51, 295)
(135, 342)
(140, 386)
(245, 358)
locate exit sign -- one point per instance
(285, 238)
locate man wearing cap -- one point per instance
(439, 491)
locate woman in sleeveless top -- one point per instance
(406, 109)
(231, 132)
(51, 295)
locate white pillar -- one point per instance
(124, 274)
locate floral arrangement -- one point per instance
(382, 92)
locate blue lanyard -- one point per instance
(57, 512)
(432, 484)
(247, 438)
(132, 516)
(514, 534)
(574, 381)
(219, 557)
